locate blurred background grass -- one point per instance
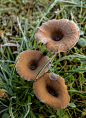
(19, 20)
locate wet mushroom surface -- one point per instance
(51, 89)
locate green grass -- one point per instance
(19, 19)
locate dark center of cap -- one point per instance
(51, 91)
(57, 38)
(33, 67)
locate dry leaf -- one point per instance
(41, 117)
(3, 94)
(2, 32)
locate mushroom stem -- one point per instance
(64, 54)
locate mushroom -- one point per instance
(29, 64)
(51, 89)
(58, 35)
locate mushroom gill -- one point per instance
(51, 89)
(29, 64)
(58, 35)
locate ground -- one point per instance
(19, 20)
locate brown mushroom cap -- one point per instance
(51, 89)
(29, 63)
(58, 35)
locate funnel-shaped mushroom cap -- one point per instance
(51, 89)
(29, 63)
(58, 35)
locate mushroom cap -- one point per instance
(29, 64)
(58, 35)
(51, 89)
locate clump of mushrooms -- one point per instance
(51, 89)
(58, 35)
(29, 63)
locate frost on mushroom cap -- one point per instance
(29, 63)
(58, 35)
(52, 91)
